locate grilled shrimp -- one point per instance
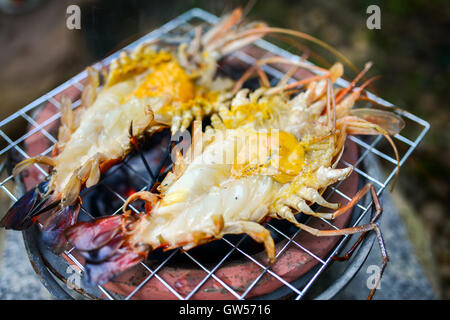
(267, 154)
(145, 90)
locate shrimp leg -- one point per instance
(256, 232)
(288, 215)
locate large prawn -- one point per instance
(224, 184)
(154, 86)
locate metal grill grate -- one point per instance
(184, 24)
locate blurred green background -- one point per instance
(411, 52)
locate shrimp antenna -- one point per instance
(342, 93)
(301, 35)
(383, 132)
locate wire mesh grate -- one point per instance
(184, 26)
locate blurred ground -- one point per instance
(411, 52)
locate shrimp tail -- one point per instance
(25, 210)
(55, 224)
(22, 214)
(52, 216)
(103, 244)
